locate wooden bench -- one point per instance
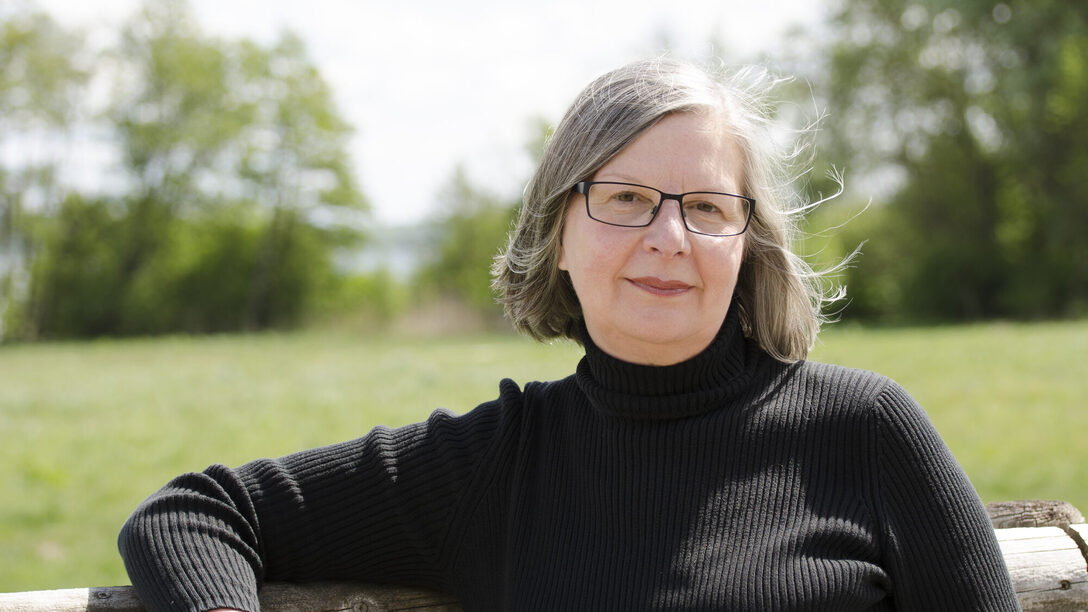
(275, 597)
(1043, 542)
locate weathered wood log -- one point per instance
(1048, 569)
(1049, 572)
(275, 597)
(1033, 513)
(1044, 543)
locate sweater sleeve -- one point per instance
(377, 508)
(940, 548)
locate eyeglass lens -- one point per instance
(635, 206)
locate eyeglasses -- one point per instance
(704, 212)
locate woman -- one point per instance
(694, 460)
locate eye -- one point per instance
(630, 197)
(705, 207)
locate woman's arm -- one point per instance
(939, 546)
(376, 508)
(195, 544)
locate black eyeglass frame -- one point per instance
(583, 188)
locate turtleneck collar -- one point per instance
(718, 373)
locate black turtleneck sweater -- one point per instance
(728, 482)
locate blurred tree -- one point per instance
(971, 114)
(75, 271)
(473, 226)
(294, 162)
(240, 188)
(40, 81)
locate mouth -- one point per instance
(661, 287)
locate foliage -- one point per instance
(358, 302)
(239, 189)
(971, 112)
(75, 260)
(40, 69)
(473, 225)
(41, 77)
(198, 278)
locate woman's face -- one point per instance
(658, 294)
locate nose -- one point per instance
(667, 234)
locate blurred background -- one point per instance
(218, 217)
(181, 167)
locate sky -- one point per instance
(433, 84)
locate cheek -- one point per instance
(576, 245)
(726, 265)
(568, 249)
(565, 238)
(740, 254)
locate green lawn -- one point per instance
(90, 429)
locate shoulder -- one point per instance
(515, 408)
(862, 396)
(840, 384)
(899, 426)
(537, 399)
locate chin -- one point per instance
(668, 326)
(670, 337)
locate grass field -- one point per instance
(88, 430)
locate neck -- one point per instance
(640, 352)
(719, 372)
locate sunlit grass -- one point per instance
(90, 429)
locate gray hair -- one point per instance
(778, 295)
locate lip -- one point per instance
(657, 286)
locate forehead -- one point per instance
(681, 152)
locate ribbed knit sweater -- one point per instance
(730, 481)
